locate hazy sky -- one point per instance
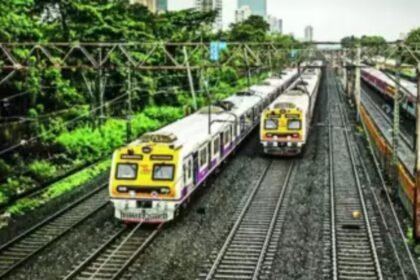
(334, 19)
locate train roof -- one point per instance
(297, 93)
(192, 131)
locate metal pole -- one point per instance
(129, 105)
(357, 82)
(416, 213)
(396, 125)
(248, 70)
(190, 78)
(101, 90)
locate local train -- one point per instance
(407, 71)
(152, 177)
(285, 124)
(387, 87)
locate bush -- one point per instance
(164, 114)
(59, 188)
(4, 168)
(42, 170)
(14, 186)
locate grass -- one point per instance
(70, 183)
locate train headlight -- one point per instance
(122, 189)
(164, 190)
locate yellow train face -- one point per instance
(145, 171)
(282, 124)
(282, 131)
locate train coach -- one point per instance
(286, 122)
(152, 177)
(387, 87)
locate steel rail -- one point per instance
(20, 249)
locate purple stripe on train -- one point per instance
(228, 149)
(184, 192)
(201, 176)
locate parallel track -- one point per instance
(393, 228)
(17, 251)
(353, 249)
(408, 139)
(249, 249)
(112, 259)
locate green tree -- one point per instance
(253, 29)
(350, 42)
(372, 41)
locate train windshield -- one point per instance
(163, 172)
(294, 124)
(270, 124)
(126, 171)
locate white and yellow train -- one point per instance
(286, 122)
(152, 177)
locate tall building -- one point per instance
(209, 5)
(309, 33)
(258, 7)
(276, 24)
(242, 13)
(150, 4)
(280, 26)
(162, 5)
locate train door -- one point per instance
(242, 124)
(188, 171)
(221, 135)
(195, 167)
(215, 153)
(209, 161)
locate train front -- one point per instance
(282, 131)
(143, 180)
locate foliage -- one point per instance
(253, 29)
(55, 98)
(372, 41)
(42, 170)
(59, 188)
(413, 38)
(4, 167)
(364, 41)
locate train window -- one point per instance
(189, 169)
(270, 124)
(225, 137)
(127, 171)
(216, 146)
(164, 172)
(203, 156)
(184, 173)
(294, 124)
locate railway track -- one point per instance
(404, 260)
(112, 259)
(408, 139)
(20, 249)
(353, 247)
(250, 247)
